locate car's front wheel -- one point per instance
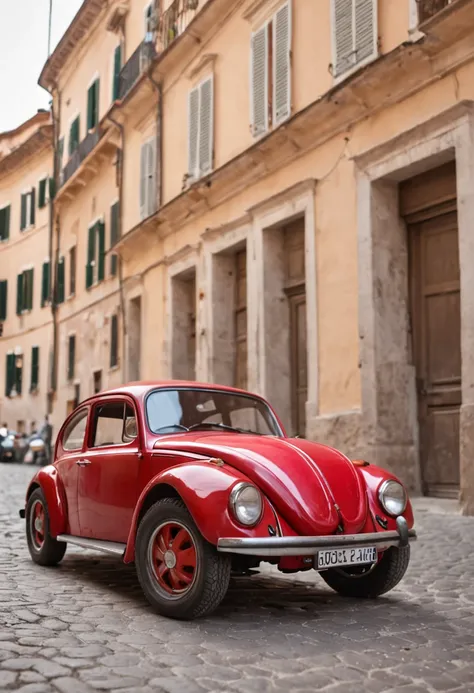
(44, 550)
(181, 574)
(370, 581)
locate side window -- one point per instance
(74, 434)
(114, 424)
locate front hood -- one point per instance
(314, 487)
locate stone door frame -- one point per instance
(387, 373)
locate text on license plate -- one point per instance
(332, 558)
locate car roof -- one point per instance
(141, 388)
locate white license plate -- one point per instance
(334, 558)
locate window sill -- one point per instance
(338, 79)
(113, 369)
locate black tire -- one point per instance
(50, 551)
(212, 572)
(381, 579)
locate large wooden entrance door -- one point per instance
(295, 289)
(436, 334)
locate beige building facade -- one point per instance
(275, 195)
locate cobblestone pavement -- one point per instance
(85, 626)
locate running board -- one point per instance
(94, 544)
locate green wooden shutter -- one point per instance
(51, 188)
(19, 294)
(60, 152)
(71, 358)
(5, 223)
(93, 105)
(32, 206)
(10, 374)
(117, 68)
(18, 376)
(101, 261)
(74, 135)
(45, 283)
(30, 283)
(60, 278)
(42, 193)
(34, 368)
(114, 341)
(3, 299)
(114, 236)
(90, 257)
(23, 213)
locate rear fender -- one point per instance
(204, 489)
(48, 480)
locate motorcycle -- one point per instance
(7, 448)
(36, 452)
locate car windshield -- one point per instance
(186, 409)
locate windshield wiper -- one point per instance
(216, 424)
(180, 427)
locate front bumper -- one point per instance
(306, 546)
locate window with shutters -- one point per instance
(27, 209)
(117, 66)
(93, 104)
(71, 356)
(270, 73)
(9, 374)
(5, 223)
(201, 129)
(60, 280)
(114, 236)
(42, 192)
(95, 266)
(354, 34)
(72, 270)
(148, 190)
(34, 381)
(3, 299)
(24, 298)
(46, 283)
(60, 152)
(114, 337)
(74, 134)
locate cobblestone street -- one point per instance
(85, 625)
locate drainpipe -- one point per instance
(159, 139)
(120, 170)
(54, 224)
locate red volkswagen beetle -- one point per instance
(193, 481)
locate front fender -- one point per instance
(204, 489)
(48, 480)
(374, 476)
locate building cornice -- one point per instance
(41, 117)
(39, 141)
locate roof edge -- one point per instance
(40, 117)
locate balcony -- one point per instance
(175, 20)
(428, 8)
(135, 66)
(77, 157)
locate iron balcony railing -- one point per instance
(77, 157)
(175, 20)
(138, 62)
(428, 8)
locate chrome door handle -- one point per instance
(82, 463)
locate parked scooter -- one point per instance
(36, 452)
(7, 448)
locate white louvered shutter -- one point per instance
(193, 132)
(151, 178)
(206, 105)
(282, 64)
(365, 29)
(143, 182)
(343, 35)
(259, 81)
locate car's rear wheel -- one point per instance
(44, 550)
(370, 581)
(181, 574)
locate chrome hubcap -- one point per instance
(170, 559)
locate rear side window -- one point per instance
(73, 438)
(114, 424)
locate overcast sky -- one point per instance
(23, 52)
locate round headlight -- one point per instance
(246, 503)
(393, 497)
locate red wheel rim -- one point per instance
(173, 556)
(37, 525)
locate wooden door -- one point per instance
(436, 328)
(295, 289)
(192, 329)
(240, 319)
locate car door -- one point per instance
(69, 454)
(108, 481)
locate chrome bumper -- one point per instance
(306, 546)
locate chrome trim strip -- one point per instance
(305, 546)
(111, 547)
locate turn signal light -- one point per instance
(360, 463)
